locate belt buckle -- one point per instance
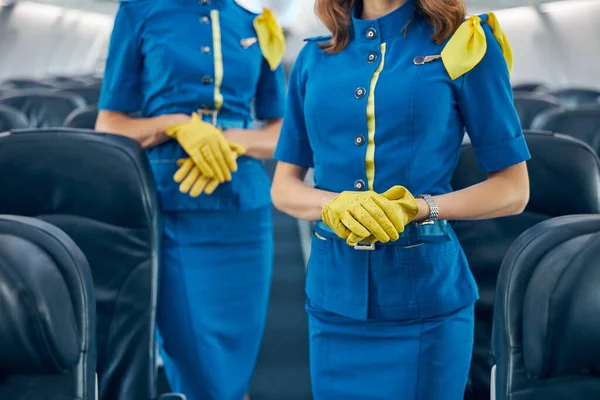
(211, 113)
(360, 246)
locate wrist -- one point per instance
(424, 211)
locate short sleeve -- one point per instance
(121, 85)
(293, 146)
(270, 93)
(487, 108)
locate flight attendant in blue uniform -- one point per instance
(379, 110)
(197, 70)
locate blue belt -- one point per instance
(413, 235)
(214, 118)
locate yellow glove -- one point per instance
(192, 180)
(206, 146)
(271, 38)
(356, 215)
(396, 201)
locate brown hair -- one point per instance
(444, 15)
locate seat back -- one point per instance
(530, 105)
(564, 177)
(577, 97)
(43, 108)
(546, 326)
(91, 94)
(98, 188)
(583, 124)
(11, 118)
(530, 87)
(47, 314)
(82, 118)
(25, 83)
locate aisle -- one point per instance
(282, 370)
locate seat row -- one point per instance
(93, 202)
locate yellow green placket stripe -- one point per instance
(370, 154)
(218, 56)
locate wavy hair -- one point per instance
(444, 15)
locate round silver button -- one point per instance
(205, 49)
(359, 185)
(207, 80)
(360, 92)
(205, 2)
(359, 140)
(205, 20)
(371, 33)
(372, 58)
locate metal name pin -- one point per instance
(248, 42)
(420, 60)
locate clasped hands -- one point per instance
(211, 160)
(368, 217)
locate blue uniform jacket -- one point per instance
(179, 56)
(374, 116)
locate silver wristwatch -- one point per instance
(433, 209)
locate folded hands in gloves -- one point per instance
(367, 217)
(211, 160)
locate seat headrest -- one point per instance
(581, 123)
(84, 118)
(561, 324)
(92, 168)
(529, 105)
(11, 118)
(38, 328)
(44, 107)
(560, 166)
(90, 94)
(577, 97)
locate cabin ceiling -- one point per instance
(303, 6)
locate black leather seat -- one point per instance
(546, 325)
(90, 94)
(582, 123)
(83, 118)
(24, 83)
(565, 179)
(529, 105)
(11, 118)
(43, 108)
(529, 87)
(47, 314)
(577, 97)
(98, 188)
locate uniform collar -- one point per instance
(381, 29)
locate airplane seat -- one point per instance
(42, 107)
(529, 87)
(90, 94)
(581, 123)
(560, 166)
(47, 314)
(546, 338)
(25, 83)
(577, 97)
(11, 118)
(99, 189)
(83, 118)
(529, 105)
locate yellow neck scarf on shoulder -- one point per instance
(270, 38)
(468, 45)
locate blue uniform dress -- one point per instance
(395, 322)
(178, 56)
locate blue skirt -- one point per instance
(390, 360)
(213, 298)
